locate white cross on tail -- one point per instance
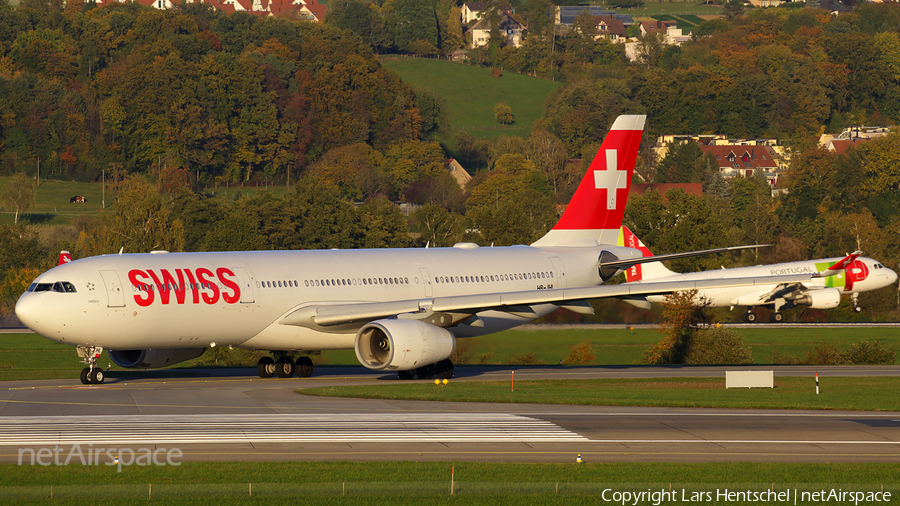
(611, 179)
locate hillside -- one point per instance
(472, 93)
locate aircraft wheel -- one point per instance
(750, 318)
(304, 367)
(97, 376)
(86, 376)
(857, 309)
(444, 369)
(265, 368)
(426, 372)
(406, 375)
(284, 368)
(776, 317)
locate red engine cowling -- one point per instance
(401, 345)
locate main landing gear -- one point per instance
(749, 317)
(855, 298)
(92, 374)
(284, 367)
(443, 370)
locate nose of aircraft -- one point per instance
(30, 309)
(891, 276)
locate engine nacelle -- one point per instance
(826, 298)
(153, 358)
(401, 345)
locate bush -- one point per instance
(825, 354)
(529, 359)
(581, 354)
(870, 352)
(717, 345)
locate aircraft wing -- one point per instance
(512, 302)
(780, 291)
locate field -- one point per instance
(471, 94)
(790, 392)
(411, 482)
(29, 356)
(52, 207)
(676, 8)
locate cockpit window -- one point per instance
(63, 287)
(59, 286)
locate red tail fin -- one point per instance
(64, 257)
(595, 212)
(629, 240)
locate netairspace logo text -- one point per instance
(114, 456)
(724, 495)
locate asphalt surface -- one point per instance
(230, 414)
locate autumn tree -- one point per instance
(18, 194)
(503, 114)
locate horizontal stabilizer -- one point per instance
(625, 264)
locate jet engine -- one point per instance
(825, 298)
(153, 358)
(401, 345)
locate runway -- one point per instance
(236, 416)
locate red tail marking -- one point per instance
(599, 201)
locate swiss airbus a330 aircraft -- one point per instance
(400, 309)
(852, 275)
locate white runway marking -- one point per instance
(280, 428)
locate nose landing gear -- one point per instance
(92, 374)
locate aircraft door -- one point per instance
(560, 272)
(114, 292)
(426, 280)
(246, 285)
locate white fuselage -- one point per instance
(190, 300)
(862, 275)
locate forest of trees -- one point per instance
(174, 101)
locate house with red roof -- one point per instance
(510, 28)
(311, 10)
(609, 28)
(746, 161)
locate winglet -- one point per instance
(64, 257)
(839, 266)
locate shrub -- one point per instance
(529, 359)
(717, 345)
(870, 352)
(825, 354)
(581, 354)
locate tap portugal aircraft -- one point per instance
(400, 309)
(852, 274)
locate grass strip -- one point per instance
(409, 482)
(855, 394)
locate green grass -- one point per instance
(408, 482)
(856, 394)
(52, 207)
(471, 94)
(674, 8)
(625, 347)
(30, 356)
